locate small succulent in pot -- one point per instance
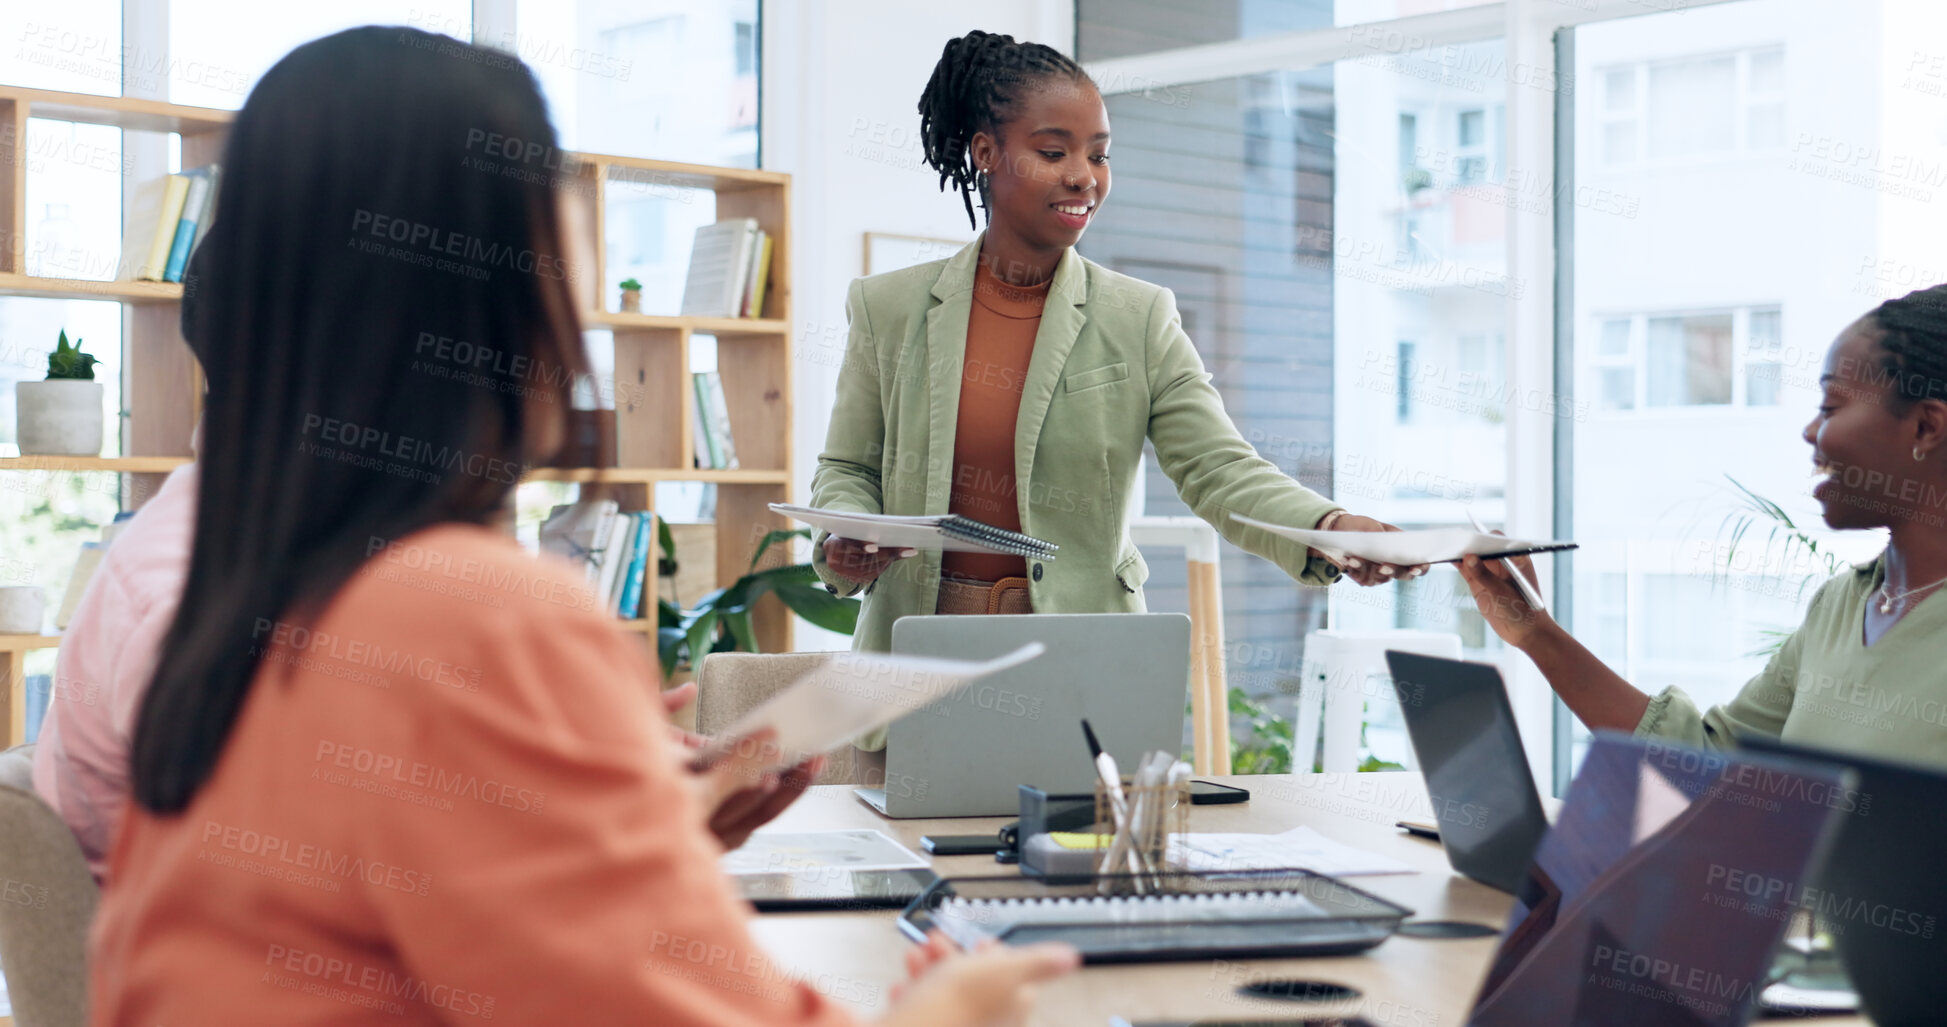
(631, 296)
(65, 362)
(63, 415)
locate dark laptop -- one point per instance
(1883, 888)
(1476, 771)
(1662, 890)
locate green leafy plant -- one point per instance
(720, 620)
(1415, 178)
(631, 285)
(1265, 744)
(1791, 545)
(68, 362)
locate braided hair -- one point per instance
(974, 88)
(1913, 346)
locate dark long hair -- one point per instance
(1913, 346)
(974, 87)
(384, 311)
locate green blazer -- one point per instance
(1111, 367)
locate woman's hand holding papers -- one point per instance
(1359, 570)
(738, 793)
(993, 986)
(862, 562)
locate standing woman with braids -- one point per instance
(1015, 382)
(1867, 669)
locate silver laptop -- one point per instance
(968, 754)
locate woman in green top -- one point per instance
(1867, 670)
(1022, 128)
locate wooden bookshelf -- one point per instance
(653, 442)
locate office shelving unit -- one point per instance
(653, 417)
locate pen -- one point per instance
(1528, 591)
(1111, 776)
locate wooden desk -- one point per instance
(1406, 982)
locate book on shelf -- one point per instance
(578, 532)
(153, 213)
(713, 420)
(167, 217)
(720, 262)
(759, 276)
(199, 205)
(630, 605)
(614, 561)
(699, 428)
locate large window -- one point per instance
(669, 79)
(1337, 238)
(1723, 205)
(1702, 306)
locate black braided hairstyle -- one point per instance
(1913, 346)
(974, 89)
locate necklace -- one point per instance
(1887, 600)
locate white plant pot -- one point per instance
(58, 418)
(21, 609)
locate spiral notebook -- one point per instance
(1184, 915)
(934, 531)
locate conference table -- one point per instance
(855, 956)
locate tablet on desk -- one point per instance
(832, 889)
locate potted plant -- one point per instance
(720, 621)
(61, 416)
(631, 296)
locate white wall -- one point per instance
(842, 80)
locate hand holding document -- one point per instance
(856, 692)
(950, 532)
(1406, 548)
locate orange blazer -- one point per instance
(449, 798)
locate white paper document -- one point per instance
(1299, 847)
(783, 852)
(852, 693)
(1407, 548)
(949, 532)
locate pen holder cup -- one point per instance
(1153, 813)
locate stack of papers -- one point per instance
(1300, 847)
(1408, 548)
(853, 693)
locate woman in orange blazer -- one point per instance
(389, 763)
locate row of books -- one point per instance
(730, 267)
(714, 448)
(168, 218)
(612, 547)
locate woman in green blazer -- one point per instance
(1109, 366)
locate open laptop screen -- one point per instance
(1662, 889)
(1476, 771)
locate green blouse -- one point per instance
(1826, 687)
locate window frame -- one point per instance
(1538, 348)
(1744, 100)
(1637, 360)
